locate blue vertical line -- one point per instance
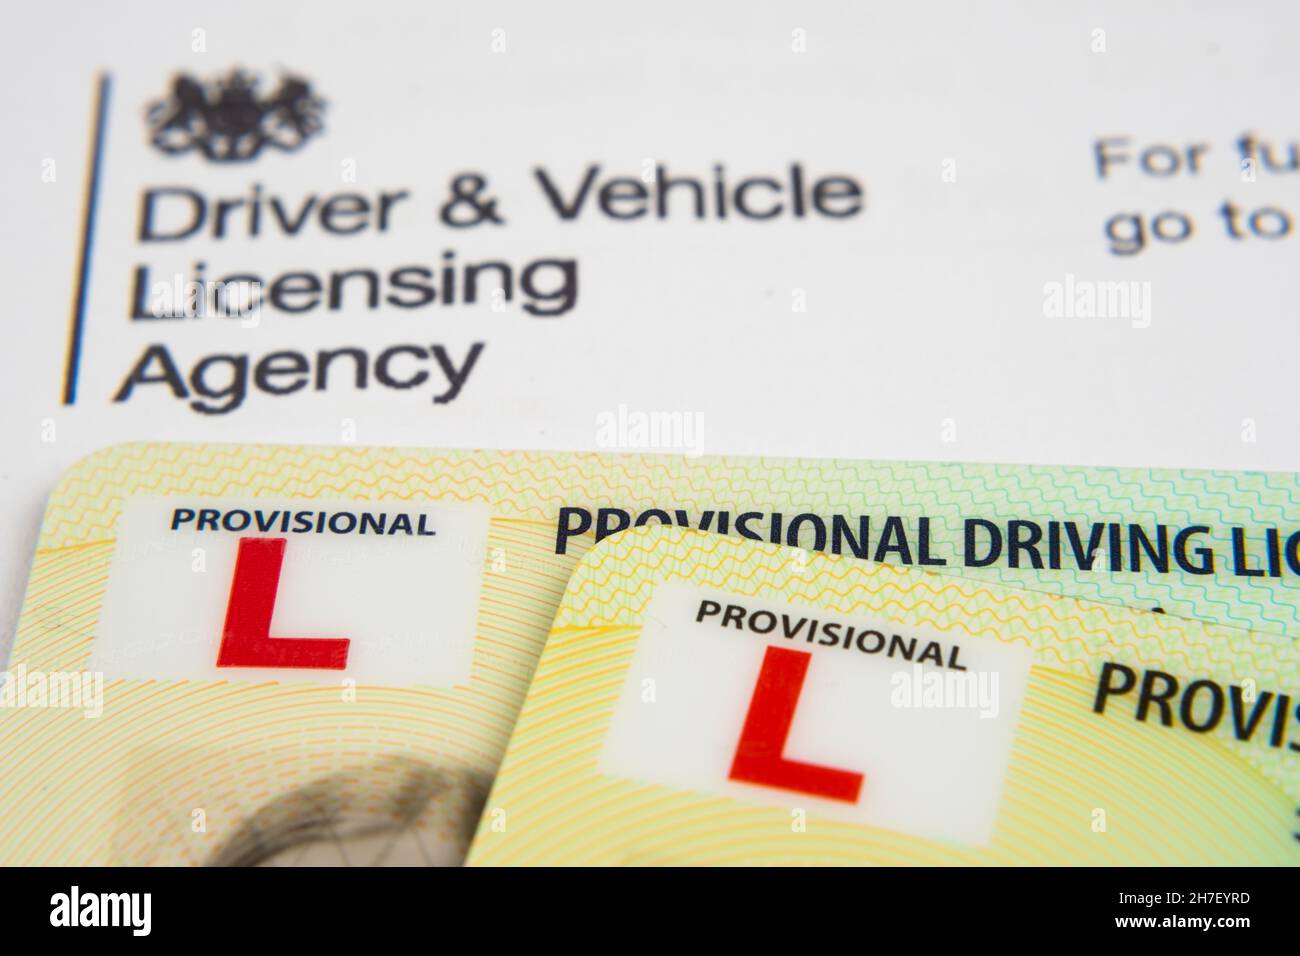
(87, 243)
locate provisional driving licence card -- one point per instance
(710, 700)
(254, 654)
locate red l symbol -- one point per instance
(767, 725)
(246, 640)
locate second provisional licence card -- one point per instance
(705, 700)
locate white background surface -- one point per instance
(926, 308)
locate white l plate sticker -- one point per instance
(901, 728)
(380, 592)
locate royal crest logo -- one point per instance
(227, 119)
